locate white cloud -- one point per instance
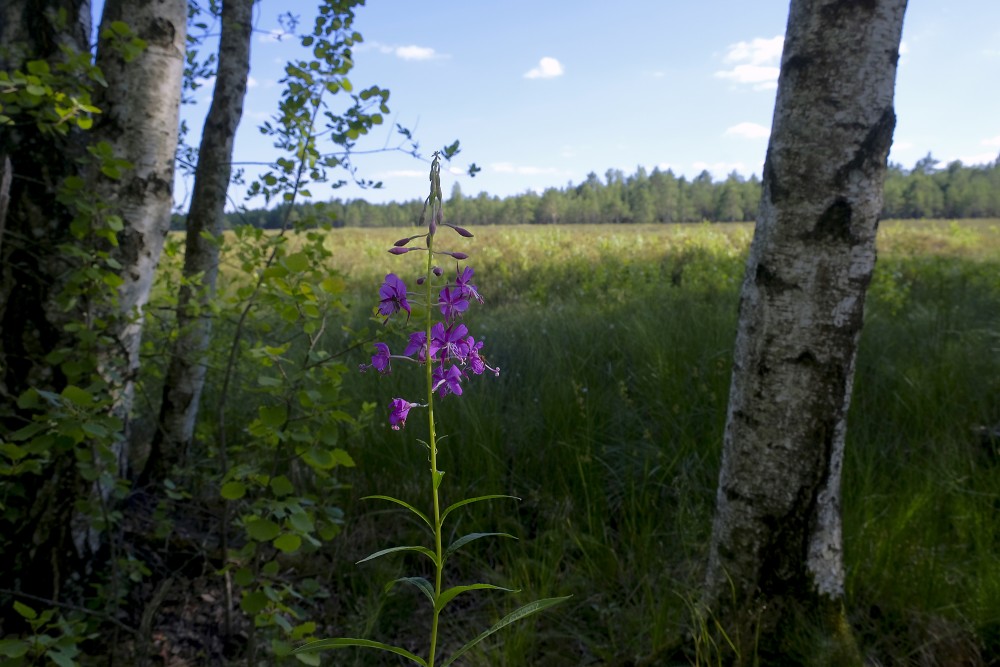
(992, 141)
(975, 158)
(511, 168)
(252, 82)
(407, 52)
(547, 68)
(754, 62)
(748, 131)
(414, 52)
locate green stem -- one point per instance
(435, 203)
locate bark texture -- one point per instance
(776, 546)
(31, 274)
(140, 117)
(186, 373)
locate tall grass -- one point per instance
(615, 346)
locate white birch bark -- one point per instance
(776, 539)
(186, 372)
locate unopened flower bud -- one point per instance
(437, 271)
(461, 230)
(402, 242)
(420, 280)
(399, 251)
(457, 255)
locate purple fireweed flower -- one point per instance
(400, 408)
(393, 297)
(449, 342)
(468, 289)
(447, 380)
(453, 302)
(418, 345)
(380, 360)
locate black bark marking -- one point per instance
(834, 224)
(770, 182)
(873, 151)
(770, 281)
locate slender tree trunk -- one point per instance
(186, 373)
(776, 553)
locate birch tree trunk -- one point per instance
(776, 554)
(140, 119)
(186, 373)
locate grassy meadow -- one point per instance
(615, 346)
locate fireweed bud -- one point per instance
(402, 242)
(462, 231)
(420, 280)
(400, 251)
(435, 221)
(437, 271)
(456, 255)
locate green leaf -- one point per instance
(25, 611)
(448, 595)
(253, 603)
(516, 615)
(311, 659)
(469, 501)
(465, 539)
(391, 550)
(243, 576)
(262, 530)
(272, 416)
(62, 657)
(77, 396)
(233, 490)
(288, 543)
(13, 648)
(281, 486)
(418, 582)
(404, 504)
(342, 642)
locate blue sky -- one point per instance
(542, 92)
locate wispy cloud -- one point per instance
(748, 131)
(547, 68)
(992, 141)
(754, 63)
(406, 52)
(252, 82)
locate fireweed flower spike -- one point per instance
(448, 354)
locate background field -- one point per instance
(615, 345)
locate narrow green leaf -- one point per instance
(469, 501)
(24, 610)
(404, 504)
(516, 615)
(448, 595)
(342, 642)
(419, 582)
(465, 539)
(378, 554)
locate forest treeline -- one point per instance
(925, 191)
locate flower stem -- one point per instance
(435, 204)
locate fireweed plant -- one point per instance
(448, 355)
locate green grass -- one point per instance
(615, 347)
